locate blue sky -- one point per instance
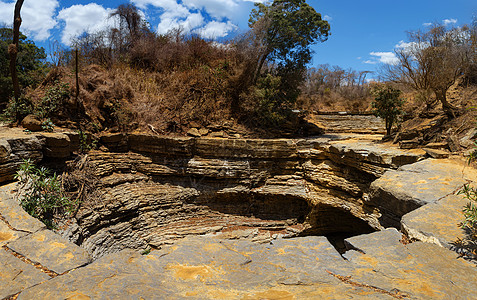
(363, 33)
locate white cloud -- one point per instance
(188, 15)
(37, 17)
(84, 18)
(449, 21)
(215, 8)
(169, 21)
(427, 24)
(171, 7)
(382, 57)
(216, 29)
(327, 18)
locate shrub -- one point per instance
(42, 196)
(23, 107)
(53, 100)
(387, 104)
(470, 209)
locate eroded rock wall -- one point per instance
(155, 190)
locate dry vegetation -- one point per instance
(331, 89)
(130, 78)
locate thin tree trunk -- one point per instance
(448, 108)
(259, 67)
(13, 51)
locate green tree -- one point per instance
(284, 31)
(387, 104)
(31, 65)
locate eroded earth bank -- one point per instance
(338, 216)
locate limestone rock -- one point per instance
(115, 142)
(57, 145)
(409, 144)
(15, 146)
(194, 132)
(32, 123)
(436, 223)
(441, 145)
(8, 234)
(453, 143)
(203, 131)
(435, 153)
(370, 157)
(17, 275)
(51, 251)
(400, 191)
(11, 211)
(159, 145)
(416, 271)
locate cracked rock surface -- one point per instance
(225, 217)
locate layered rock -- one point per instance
(162, 189)
(401, 191)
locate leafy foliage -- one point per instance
(387, 104)
(470, 209)
(53, 100)
(287, 30)
(284, 31)
(43, 198)
(31, 63)
(22, 108)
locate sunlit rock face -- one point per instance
(156, 190)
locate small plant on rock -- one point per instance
(47, 125)
(41, 194)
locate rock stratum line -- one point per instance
(240, 218)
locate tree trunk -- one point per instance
(389, 125)
(448, 108)
(259, 67)
(13, 51)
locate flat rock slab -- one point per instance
(207, 268)
(16, 275)
(11, 211)
(437, 223)
(370, 242)
(400, 191)
(51, 251)
(414, 271)
(370, 151)
(7, 234)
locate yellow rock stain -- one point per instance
(212, 247)
(420, 182)
(5, 236)
(78, 296)
(369, 260)
(40, 237)
(272, 294)
(191, 272)
(55, 244)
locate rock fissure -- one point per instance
(245, 218)
(395, 293)
(25, 259)
(163, 189)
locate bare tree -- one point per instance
(431, 61)
(13, 49)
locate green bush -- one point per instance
(23, 107)
(43, 197)
(470, 209)
(387, 104)
(53, 100)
